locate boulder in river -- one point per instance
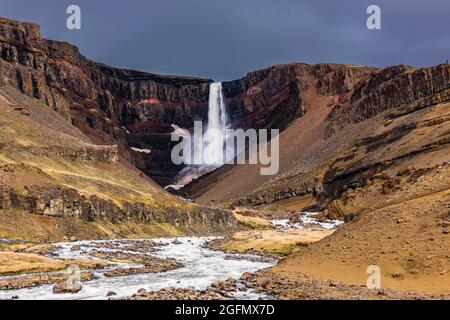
(64, 287)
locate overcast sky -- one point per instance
(224, 39)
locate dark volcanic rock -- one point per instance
(111, 105)
(392, 87)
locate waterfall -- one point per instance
(211, 145)
(215, 136)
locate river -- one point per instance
(201, 267)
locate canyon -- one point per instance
(136, 110)
(85, 151)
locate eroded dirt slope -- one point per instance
(377, 158)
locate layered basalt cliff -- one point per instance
(395, 86)
(110, 105)
(343, 110)
(274, 97)
(57, 201)
(136, 109)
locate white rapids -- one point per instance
(306, 219)
(201, 267)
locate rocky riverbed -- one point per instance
(185, 265)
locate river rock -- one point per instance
(64, 287)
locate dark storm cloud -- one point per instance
(227, 38)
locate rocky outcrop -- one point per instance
(392, 87)
(270, 196)
(274, 97)
(403, 104)
(87, 153)
(57, 201)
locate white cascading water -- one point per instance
(213, 141)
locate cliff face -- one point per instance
(135, 110)
(57, 201)
(114, 106)
(274, 97)
(343, 107)
(395, 86)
